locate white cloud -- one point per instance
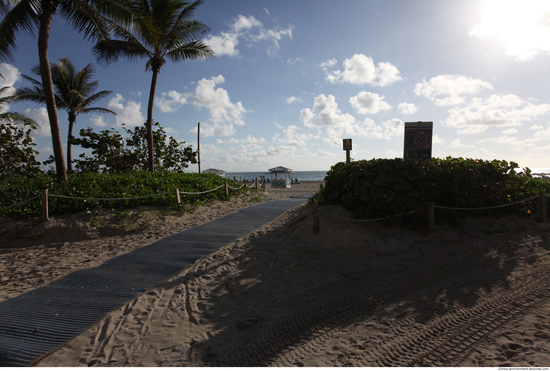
(283, 151)
(293, 61)
(496, 111)
(523, 26)
(245, 23)
(510, 131)
(503, 140)
(10, 73)
(218, 141)
(40, 116)
(224, 44)
(386, 130)
(445, 90)
(324, 153)
(208, 130)
(407, 108)
(293, 99)
(457, 143)
(330, 63)
(253, 140)
(97, 121)
(274, 36)
(10, 76)
(129, 114)
(292, 137)
(325, 113)
(360, 69)
(170, 102)
(541, 135)
(369, 103)
(436, 139)
(217, 102)
(249, 29)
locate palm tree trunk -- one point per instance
(69, 154)
(150, 147)
(46, 74)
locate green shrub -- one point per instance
(385, 187)
(16, 188)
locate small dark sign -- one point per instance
(347, 144)
(418, 140)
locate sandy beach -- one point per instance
(354, 294)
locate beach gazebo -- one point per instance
(215, 171)
(281, 177)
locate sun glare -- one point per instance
(523, 25)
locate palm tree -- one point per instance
(74, 93)
(164, 29)
(87, 16)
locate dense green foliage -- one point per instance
(16, 188)
(113, 153)
(386, 187)
(17, 153)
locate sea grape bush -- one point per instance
(17, 153)
(113, 153)
(16, 188)
(385, 187)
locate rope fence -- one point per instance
(44, 196)
(431, 206)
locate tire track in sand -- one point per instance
(299, 333)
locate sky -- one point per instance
(292, 78)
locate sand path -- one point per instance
(356, 294)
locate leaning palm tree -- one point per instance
(87, 16)
(164, 29)
(74, 92)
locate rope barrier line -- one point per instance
(119, 198)
(235, 189)
(20, 203)
(198, 193)
(368, 220)
(486, 207)
(109, 199)
(439, 207)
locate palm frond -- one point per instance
(193, 50)
(23, 17)
(31, 94)
(97, 96)
(98, 110)
(108, 51)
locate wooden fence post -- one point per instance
(178, 200)
(315, 218)
(44, 200)
(431, 221)
(226, 190)
(542, 202)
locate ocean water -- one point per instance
(307, 176)
(540, 171)
(319, 176)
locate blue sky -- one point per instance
(292, 78)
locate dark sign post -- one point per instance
(418, 140)
(347, 148)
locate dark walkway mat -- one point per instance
(43, 319)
